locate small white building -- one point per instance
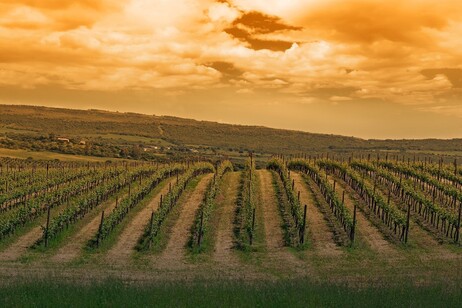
(66, 140)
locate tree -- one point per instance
(135, 152)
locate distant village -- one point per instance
(149, 148)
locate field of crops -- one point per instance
(357, 221)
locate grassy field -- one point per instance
(297, 293)
(15, 130)
(130, 138)
(25, 154)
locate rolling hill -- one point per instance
(23, 125)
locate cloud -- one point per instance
(223, 12)
(55, 14)
(453, 74)
(362, 20)
(300, 51)
(257, 22)
(251, 24)
(227, 69)
(369, 21)
(331, 93)
(340, 98)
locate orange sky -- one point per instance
(374, 69)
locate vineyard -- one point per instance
(306, 216)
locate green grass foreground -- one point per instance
(222, 294)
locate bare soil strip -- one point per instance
(278, 254)
(322, 237)
(21, 245)
(76, 242)
(424, 240)
(176, 247)
(227, 204)
(121, 252)
(274, 234)
(420, 239)
(364, 228)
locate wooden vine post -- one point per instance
(151, 226)
(407, 222)
(250, 180)
(353, 229)
(47, 226)
(458, 224)
(253, 227)
(100, 230)
(199, 237)
(302, 237)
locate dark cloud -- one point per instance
(260, 23)
(227, 69)
(273, 45)
(246, 27)
(238, 33)
(453, 74)
(258, 44)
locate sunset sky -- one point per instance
(372, 69)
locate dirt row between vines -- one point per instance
(365, 230)
(227, 198)
(273, 232)
(422, 239)
(322, 237)
(121, 252)
(173, 257)
(20, 246)
(278, 254)
(76, 242)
